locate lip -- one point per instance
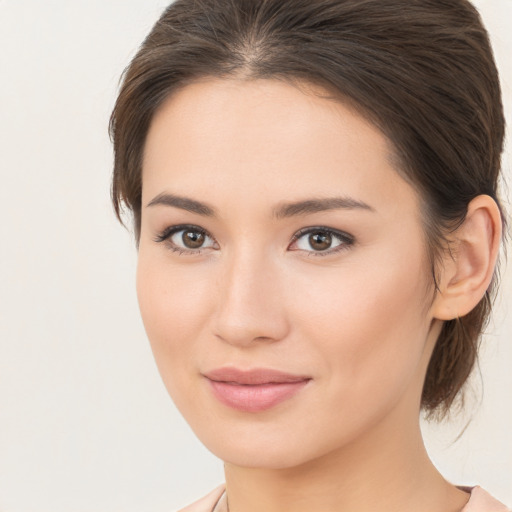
(254, 390)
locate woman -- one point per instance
(314, 195)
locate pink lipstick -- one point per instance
(254, 390)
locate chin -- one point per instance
(258, 458)
(261, 449)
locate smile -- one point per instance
(254, 390)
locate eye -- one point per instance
(186, 239)
(321, 241)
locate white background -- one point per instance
(85, 423)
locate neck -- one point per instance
(387, 470)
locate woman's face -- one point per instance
(277, 236)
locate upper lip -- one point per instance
(253, 376)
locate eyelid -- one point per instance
(346, 239)
(168, 232)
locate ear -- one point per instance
(467, 270)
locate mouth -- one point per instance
(254, 390)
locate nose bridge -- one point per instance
(249, 305)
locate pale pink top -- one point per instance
(479, 501)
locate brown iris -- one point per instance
(320, 240)
(193, 239)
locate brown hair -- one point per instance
(421, 70)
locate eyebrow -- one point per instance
(184, 203)
(319, 205)
(283, 210)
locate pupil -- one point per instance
(320, 241)
(193, 239)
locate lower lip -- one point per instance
(255, 398)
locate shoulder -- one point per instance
(482, 501)
(206, 503)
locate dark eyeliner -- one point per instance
(165, 235)
(169, 231)
(346, 239)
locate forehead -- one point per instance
(265, 139)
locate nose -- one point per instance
(250, 306)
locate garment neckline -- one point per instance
(221, 504)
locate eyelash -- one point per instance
(345, 239)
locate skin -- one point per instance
(360, 321)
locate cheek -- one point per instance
(368, 322)
(174, 307)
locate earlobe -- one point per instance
(468, 268)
